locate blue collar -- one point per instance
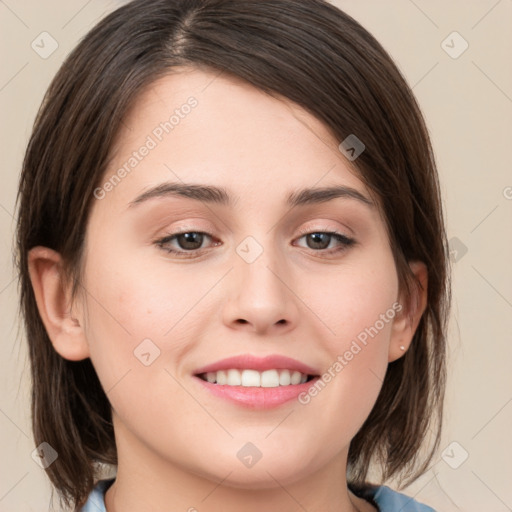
(381, 496)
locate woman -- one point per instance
(233, 264)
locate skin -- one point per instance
(177, 443)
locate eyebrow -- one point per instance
(219, 195)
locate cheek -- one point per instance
(135, 308)
(137, 332)
(357, 307)
(355, 299)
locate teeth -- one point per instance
(234, 378)
(253, 378)
(249, 378)
(285, 378)
(295, 378)
(270, 379)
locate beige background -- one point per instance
(467, 102)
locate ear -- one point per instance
(408, 317)
(53, 297)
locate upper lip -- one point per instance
(249, 362)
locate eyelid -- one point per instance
(302, 232)
(346, 233)
(161, 241)
(324, 229)
(344, 241)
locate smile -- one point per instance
(256, 382)
(255, 379)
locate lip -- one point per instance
(257, 398)
(250, 362)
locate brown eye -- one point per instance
(321, 240)
(190, 241)
(184, 242)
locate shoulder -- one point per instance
(388, 500)
(385, 498)
(96, 500)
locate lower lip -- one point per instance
(258, 398)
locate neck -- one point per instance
(146, 482)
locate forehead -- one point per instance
(209, 127)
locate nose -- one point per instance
(260, 296)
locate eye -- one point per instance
(320, 241)
(187, 241)
(189, 244)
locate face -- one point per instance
(178, 281)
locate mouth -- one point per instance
(255, 379)
(255, 382)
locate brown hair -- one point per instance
(307, 51)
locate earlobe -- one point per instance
(407, 320)
(53, 297)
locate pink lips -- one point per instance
(257, 397)
(248, 362)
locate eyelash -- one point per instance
(344, 240)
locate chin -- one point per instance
(275, 472)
